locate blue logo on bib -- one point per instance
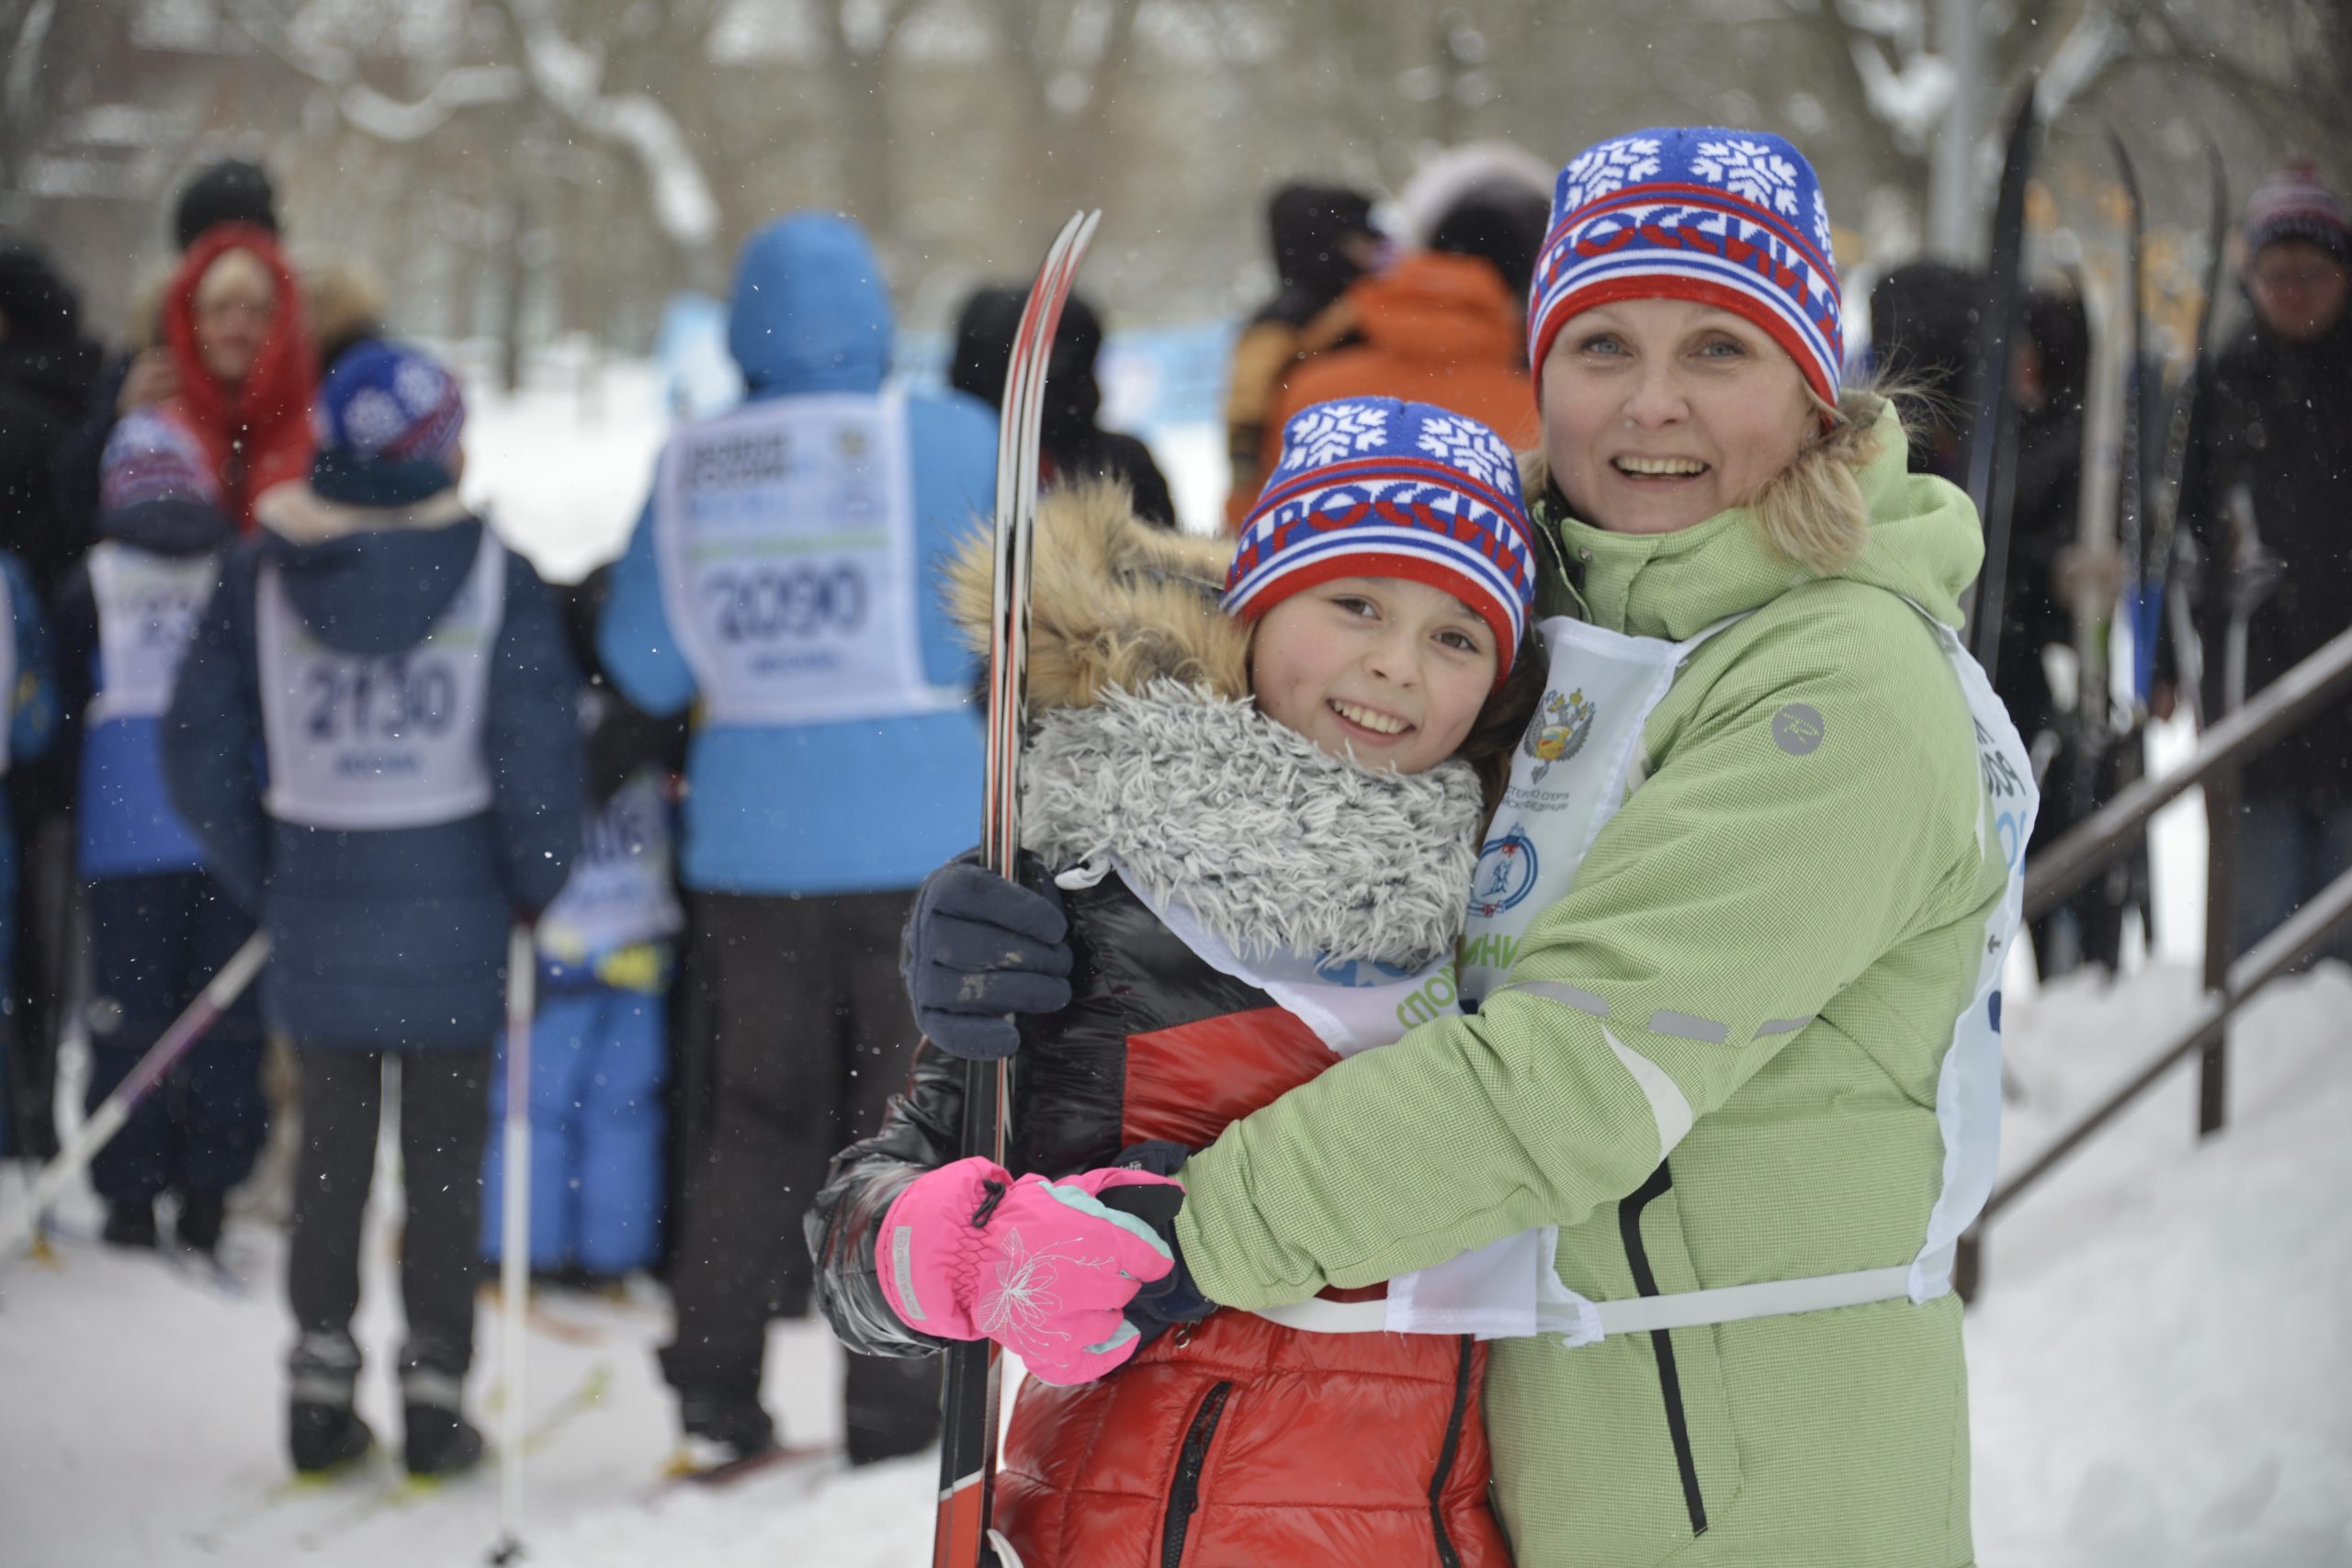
(1357, 972)
(1506, 875)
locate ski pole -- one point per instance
(95, 1133)
(514, 1240)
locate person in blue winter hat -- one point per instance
(161, 924)
(780, 585)
(374, 739)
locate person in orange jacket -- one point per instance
(1443, 325)
(1324, 239)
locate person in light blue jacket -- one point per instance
(783, 581)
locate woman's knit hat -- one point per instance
(2296, 204)
(387, 420)
(1375, 487)
(1732, 219)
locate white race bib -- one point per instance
(391, 740)
(620, 891)
(1573, 769)
(786, 536)
(148, 605)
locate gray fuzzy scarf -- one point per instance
(1274, 845)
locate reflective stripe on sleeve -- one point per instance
(1669, 1108)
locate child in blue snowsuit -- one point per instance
(600, 1046)
(161, 926)
(26, 730)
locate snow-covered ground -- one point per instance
(2160, 1365)
(2161, 1356)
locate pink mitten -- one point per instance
(1040, 1267)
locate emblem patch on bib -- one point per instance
(1558, 732)
(1505, 873)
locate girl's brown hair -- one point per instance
(1496, 733)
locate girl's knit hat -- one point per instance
(1375, 486)
(1732, 219)
(2295, 204)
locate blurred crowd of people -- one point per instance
(2250, 465)
(266, 671)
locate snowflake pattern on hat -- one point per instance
(1466, 444)
(1734, 220)
(1750, 170)
(1329, 431)
(373, 420)
(1607, 168)
(420, 385)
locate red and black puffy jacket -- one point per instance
(1236, 1443)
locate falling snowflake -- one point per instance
(1473, 449)
(1330, 431)
(1751, 171)
(1607, 168)
(1821, 227)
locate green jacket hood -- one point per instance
(1924, 544)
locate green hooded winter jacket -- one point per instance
(1749, 882)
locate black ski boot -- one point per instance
(439, 1441)
(198, 1228)
(325, 1438)
(131, 1224)
(722, 1430)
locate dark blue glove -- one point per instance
(979, 950)
(1173, 1299)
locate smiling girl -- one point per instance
(1255, 889)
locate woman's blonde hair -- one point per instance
(1813, 510)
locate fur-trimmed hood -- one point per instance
(1113, 602)
(1148, 748)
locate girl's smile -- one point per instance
(1387, 670)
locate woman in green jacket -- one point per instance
(1730, 1091)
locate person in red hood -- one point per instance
(1443, 325)
(232, 322)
